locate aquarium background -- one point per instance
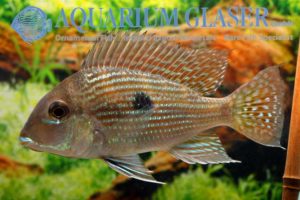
(28, 71)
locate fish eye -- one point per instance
(58, 110)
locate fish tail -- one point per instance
(257, 108)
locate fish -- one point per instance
(136, 94)
(31, 24)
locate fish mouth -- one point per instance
(25, 140)
(29, 143)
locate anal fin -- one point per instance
(202, 149)
(131, 166)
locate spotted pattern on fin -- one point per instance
(257, 107)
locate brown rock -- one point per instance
(15, 168)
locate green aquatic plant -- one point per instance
(57, 164)
(10, 8)
(41, 70)
(78, 183)
(203, 185)
(288, 7)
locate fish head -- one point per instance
(57, 124)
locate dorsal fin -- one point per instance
(202, 69)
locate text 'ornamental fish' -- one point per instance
(135, 94)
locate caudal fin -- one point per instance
(257, 108)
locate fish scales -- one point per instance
(177, 110)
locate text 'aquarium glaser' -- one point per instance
(32, 23)
(137, 94)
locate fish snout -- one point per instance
(25, 140)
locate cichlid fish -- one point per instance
(31, 24)
(136, 94)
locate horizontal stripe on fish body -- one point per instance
(122, 90)
(158, 114)
(108, 95)
(163, 102)
(123, 82)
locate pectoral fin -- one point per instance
(131, 166)
(202, 149)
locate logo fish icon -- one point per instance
(31, 24)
